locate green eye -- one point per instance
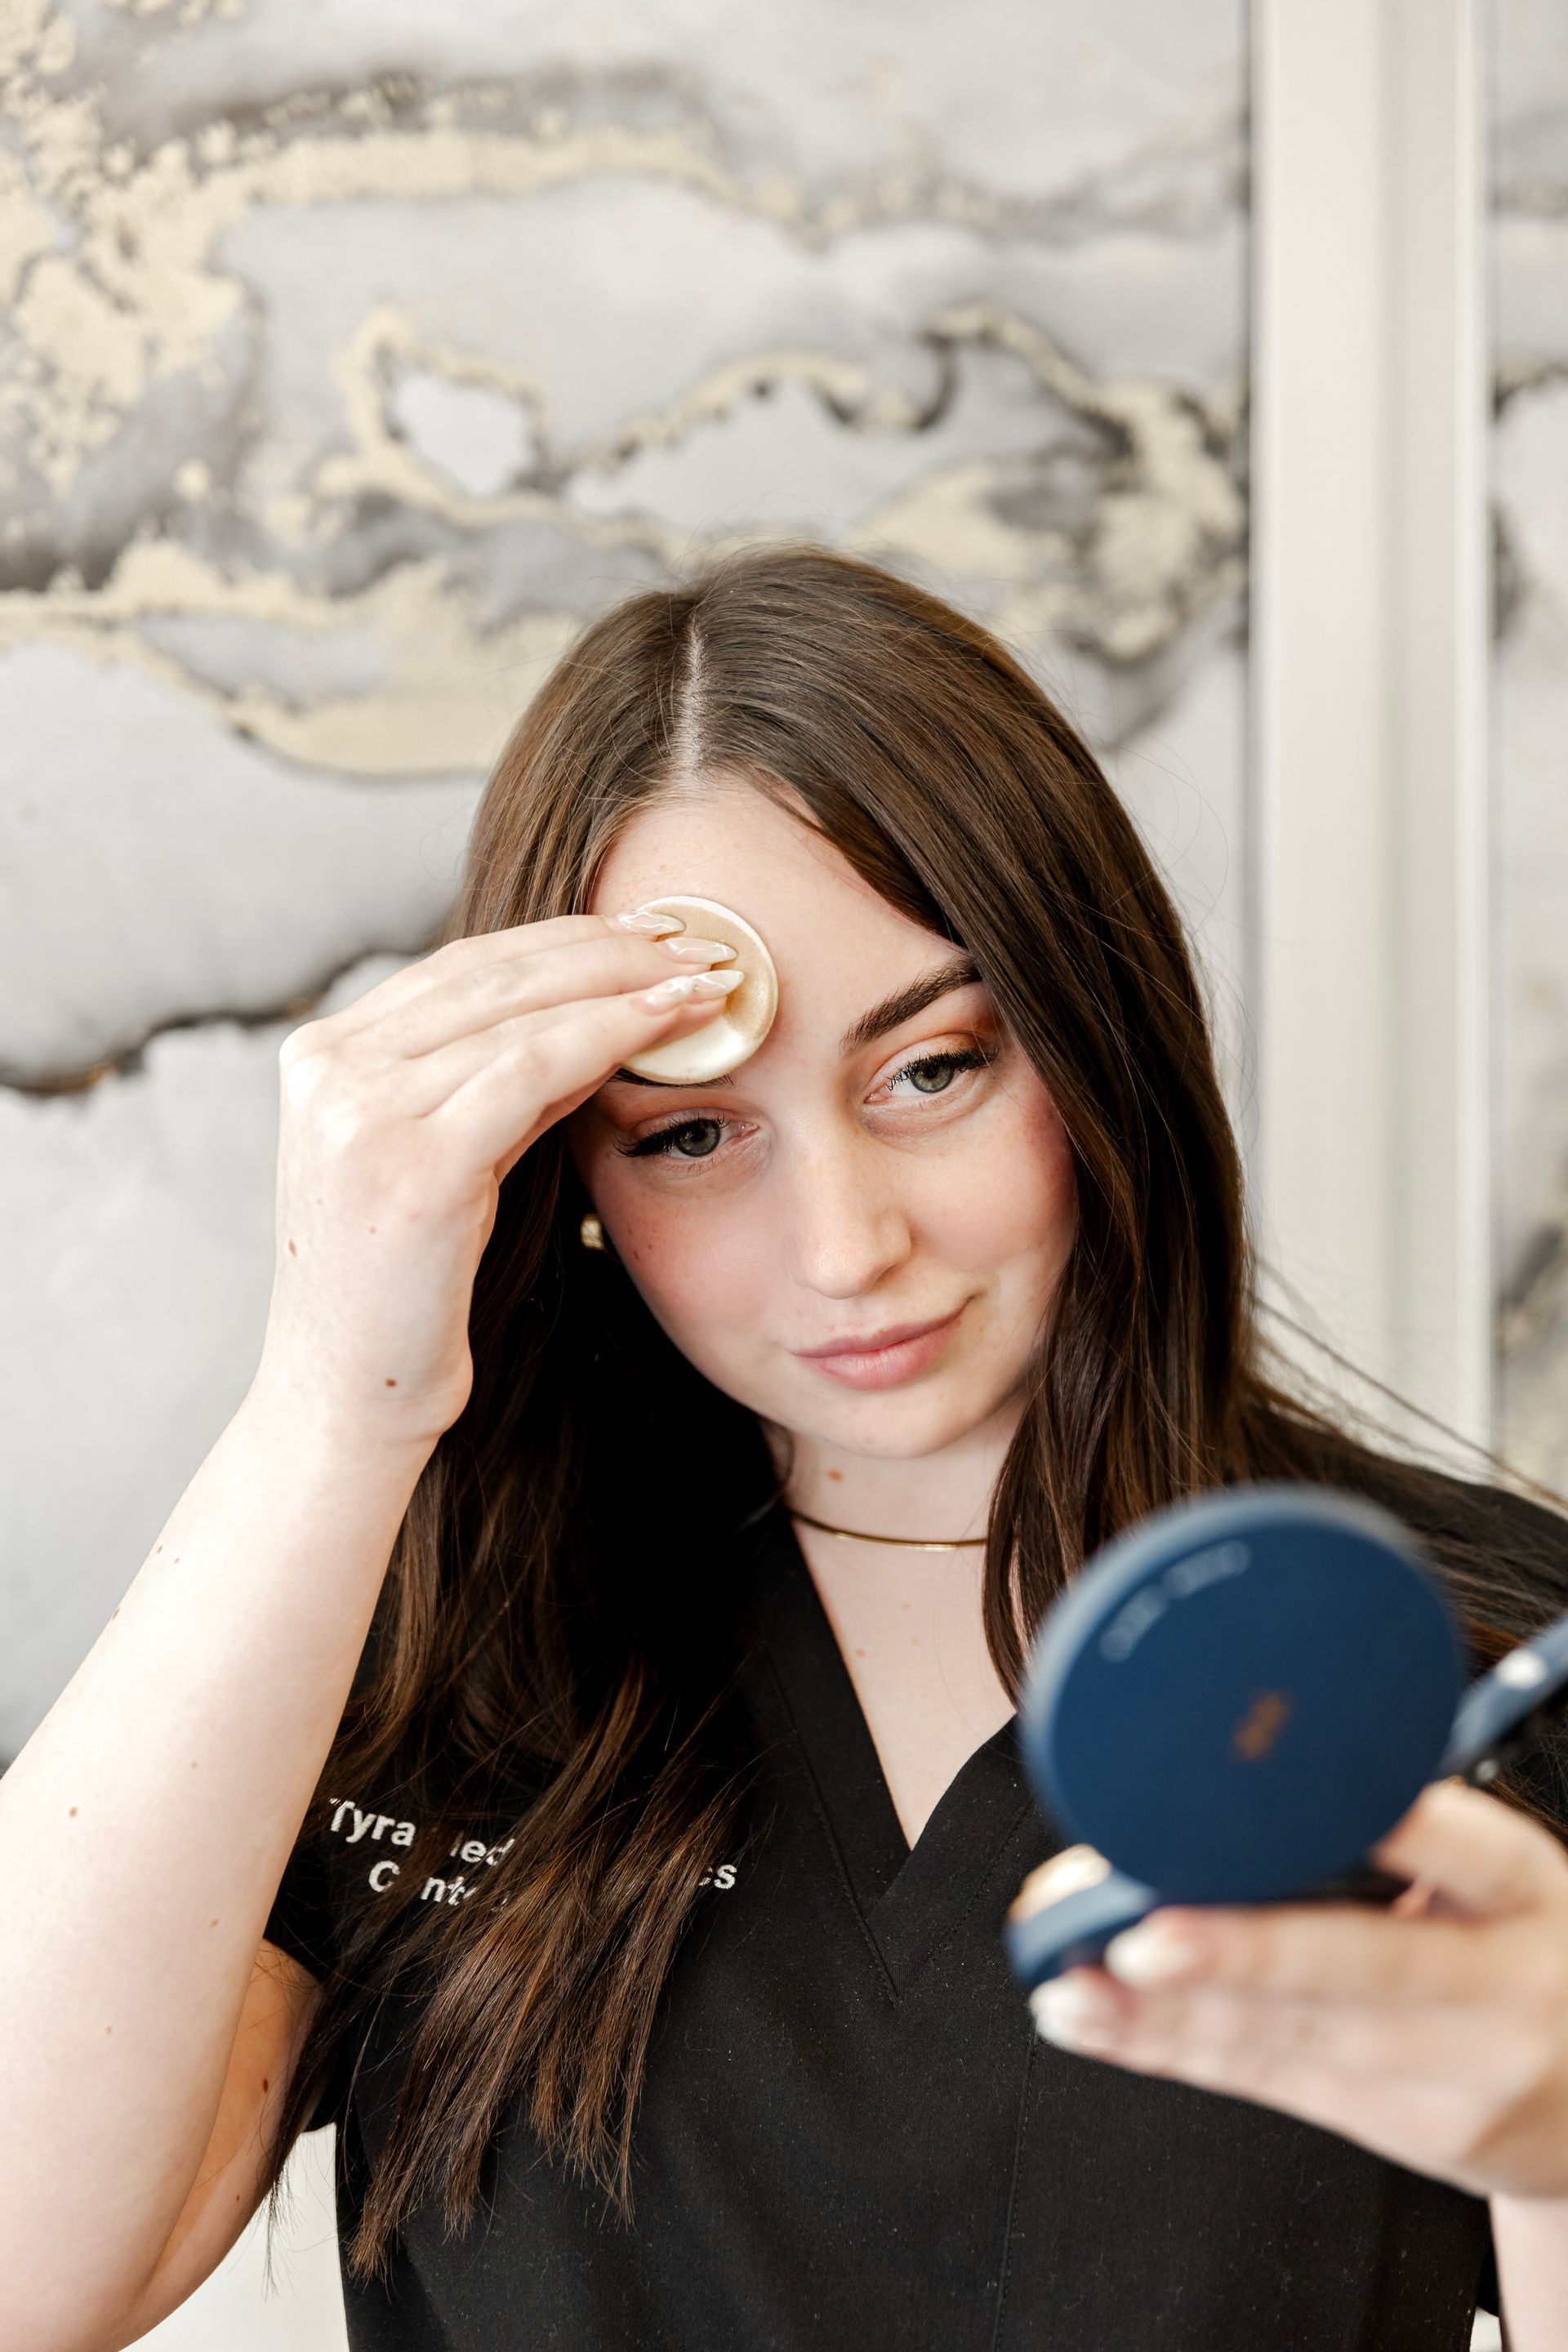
(689, 1139)
(695, 1140)
(932, 1073)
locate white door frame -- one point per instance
(1369, 868)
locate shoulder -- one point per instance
(1503, 1560)
(370, 1844)
(1483, 1511)
(382, 1858)
(1525, 1540)
(1505, 1552)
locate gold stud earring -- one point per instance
(591, 1232)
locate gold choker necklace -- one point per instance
(858, 1535)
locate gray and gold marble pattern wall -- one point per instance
(351, 356)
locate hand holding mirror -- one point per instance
(1238, 1698)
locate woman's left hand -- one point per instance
(1435, 2033)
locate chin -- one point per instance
(893, 1428)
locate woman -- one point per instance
(659, 1803)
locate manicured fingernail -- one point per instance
(1156, 1953)
(696, 950)
(1072, 2015)
(1069, 1873)
(645, 923)
(687, 985)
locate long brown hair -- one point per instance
(532, 1651)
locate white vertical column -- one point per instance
(1369, 916)
(1440, 540)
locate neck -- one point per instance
(942, 1494)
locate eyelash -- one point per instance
(660, 1144)
(967, 1057)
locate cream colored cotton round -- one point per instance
(742, 1021)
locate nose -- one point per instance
(842, 1224)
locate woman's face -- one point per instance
(860, 1232)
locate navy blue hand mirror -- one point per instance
(1236, 1699)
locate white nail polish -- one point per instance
(1068, 2014)
(689, 984)
(644, 922)
(703, 952)
(1150, 1955)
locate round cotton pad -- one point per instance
(742, 1021)
(1234, 1701)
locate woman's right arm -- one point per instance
(145, 1827)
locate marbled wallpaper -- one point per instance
(351, 355)
(1529, 286)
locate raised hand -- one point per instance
(401, 1115)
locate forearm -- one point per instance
(1531, 2235)
(145, 1826)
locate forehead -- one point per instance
(831, 936)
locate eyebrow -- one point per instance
(905, 1003)
(891, 1014)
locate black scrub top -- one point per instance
(850, 2135)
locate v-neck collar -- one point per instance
(909, 1898)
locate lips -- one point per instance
(884, 1358)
